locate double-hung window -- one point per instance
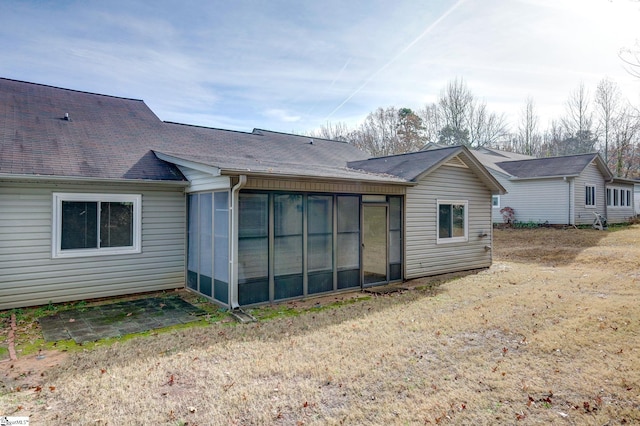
(452, 221)
(590, 196)
(96, 224)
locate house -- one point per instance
(557, 190)
(98, 197)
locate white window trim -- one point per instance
(595, 196)
(466, 222)
(56, 226)
(496, 197)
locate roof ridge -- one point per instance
(412, 152)
(592, 154)
(256, 131)
(70, 90)
(207, 127)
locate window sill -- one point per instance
(69, 254)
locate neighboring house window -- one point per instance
(628, 191)
(616, 197)
(96, 224)
(609, 197)
(590, 196)
(495, 201)
(452, 221)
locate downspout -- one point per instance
(569, 201)
(233, 246)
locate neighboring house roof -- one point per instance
(414, 165)
(569, 165)
(491, 157)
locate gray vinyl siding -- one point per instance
(29, 275)
(423, 256)
(539, 201)
(591, 175)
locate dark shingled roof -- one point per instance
(108, 137)
(406, 166)
(115, 138)
(570, 165)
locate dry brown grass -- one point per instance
(549, 334)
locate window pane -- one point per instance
(288, 234)
(287, 214)
(192, 250)
(444, 221)
(79, 225)
(319, 254)
(608, 196)
(253, 244)
(116, 224)
(348, 214)
(320, 214)
(221, 236)
(395, 213)
(615, 197)
(206, 236)
(458, 220)
(348, 250)
(253, 221)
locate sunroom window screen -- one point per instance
(90, 224)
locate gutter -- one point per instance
(233, 246)
(80, 179)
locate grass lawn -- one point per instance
(550, 334)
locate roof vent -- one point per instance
(310, 141)
(66, 116)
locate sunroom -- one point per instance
(291, 244)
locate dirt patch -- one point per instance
(28, 372)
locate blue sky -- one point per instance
(295, 65)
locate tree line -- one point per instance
(603, 121)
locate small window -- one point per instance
(590, 196)
(616, 197)
(452, 221)
(495, 201)
(628, 197)
(609, 198)
(95, 224)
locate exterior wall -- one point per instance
(29, 275)
(542, 200)
(591, 175)
(326, 187)
(423, 256)
(621, 214)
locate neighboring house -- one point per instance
(557, 190)
(98, 197)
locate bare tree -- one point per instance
(485, 128)
(431, 122)
(528, 137)
(607, 99)
(626, 137)
(332, 131)
(631, 59)
(578, 123)
(455, 103)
